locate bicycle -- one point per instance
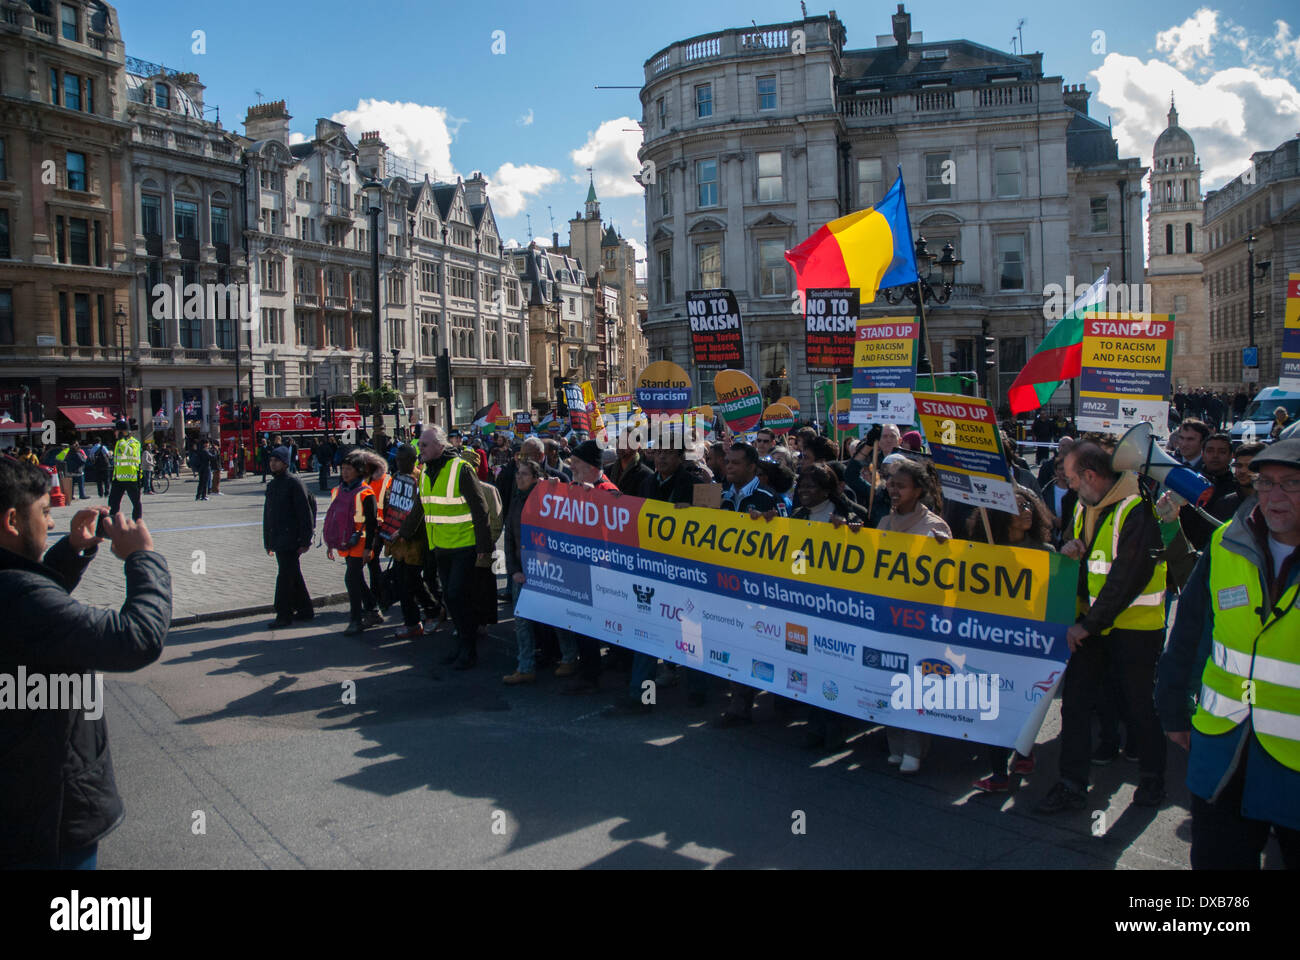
(161, 484)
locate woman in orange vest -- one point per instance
(378, 479)
(365, 519)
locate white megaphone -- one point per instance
(1137, 451)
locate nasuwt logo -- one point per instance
(831, 646)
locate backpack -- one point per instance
(339, 527)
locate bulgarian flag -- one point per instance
(869, 249)
(1060, 356)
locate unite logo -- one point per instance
(643, 597)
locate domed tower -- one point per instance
(1175, 244)
(1176, 214)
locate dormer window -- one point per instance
(161, 96)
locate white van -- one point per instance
(1258, 418)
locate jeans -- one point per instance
(291, 596)
(132, 489)
(147, 481)
(415, 595)
(1222, 839)
(456, 571)
(205, 480)
(79, 482)
(360, 599)
(523, 635)
(101, 486)
(569, 646)
(1134, 653)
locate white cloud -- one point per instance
(297, 138)
(1189, 40)
(610, 151)
(1229, 115)
(511, 185)
(527, 119)
(416, 131)
(1284, 46)
(639, 247)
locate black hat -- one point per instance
(589, 452)
(282, 454)
(121, 424)
(1284, 453)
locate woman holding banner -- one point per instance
(914, 495)
(1030, 529)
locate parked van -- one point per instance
(1258, 418)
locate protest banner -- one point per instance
(830, 329)
(967, 450)
(501, 423)
(884, 370)
(1125, 371)
(852, 622)
(778, 418)
(1289, 372)
(836, 408)
(663, 389)
(596, 421)
(704, 418)
(716, 336)
(577, 404)
(523, 424)
(790, 402)
(738, 399)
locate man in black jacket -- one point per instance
(203, 462)
(58, 798)
(1216, 467)
(288, 522)
(630, 472)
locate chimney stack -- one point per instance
(475, 189)
(902, 30)
(268, 121)
(372, 153)
(1076, 96)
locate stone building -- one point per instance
(1264, 203)
(1176, 241)
(760, 135)
(66, 222)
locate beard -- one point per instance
(32, 543)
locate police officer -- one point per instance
(1235, 647)
(1121, 605)
(126, 472)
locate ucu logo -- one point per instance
(686, 647)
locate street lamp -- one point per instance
(119, 321)
(1251, 268)
(925, 290)
(374, 194)
(397, 408)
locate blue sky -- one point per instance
(425, 75)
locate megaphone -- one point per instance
(1138, 451)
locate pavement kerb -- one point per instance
(235, 614)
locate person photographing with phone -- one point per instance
(58, 797)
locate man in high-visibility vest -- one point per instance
(1121, 620)
(1235, 649)
(126, 472)
(456, 524)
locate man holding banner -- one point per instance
(1121, 607)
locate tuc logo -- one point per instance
(643, 597)
(796, 638)
(669, 612)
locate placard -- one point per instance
(663, 389)
(967, 450)
(1125, 377)
(830, 329)
(717, 340)
(1289, 370)
(739, 400)
(884, 370)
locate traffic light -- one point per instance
(316, 410)
(444, 375)
(990, 348)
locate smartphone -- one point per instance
(99, 527)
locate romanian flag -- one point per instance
(1060, 356)
(868, 249)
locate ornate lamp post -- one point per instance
(927, 289)
(1253, 268)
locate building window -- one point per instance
(774, 368)
(706, 175)
(512, 293)
(704, 100)
(1180, 303)
(491, 344)
(4, 235)
(463, 390)
(938, 176)
(72, 91)
(187, 220)
(272, 325)
(150, 215)
(428, 334)
(1006, 166)
(666, 275)
(708, 265)
(869, 176)
(1187, 236)
(1099, 211)
(6, 317)
(79, 241)
(161, 96)
(665, 199)
(461, 283)
(663, 114)
(1012, 356)
(76, 166)
(273, 372)
(4, 161)
(1011, 262)
(429, 277)
(769, 176)
(514, 340)
(221, 225)
(462, 337)
(767, 93)
(81, 308)
(462, 236)
(272, 274)
(68, 21)
(772, 268)
(1169, 238)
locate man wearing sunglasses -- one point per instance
(1235, 647)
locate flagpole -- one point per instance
(925, 332)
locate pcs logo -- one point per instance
(941, 668)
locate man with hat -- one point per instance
(126, 472)
(288, 523)
(1235, 650)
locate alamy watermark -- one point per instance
(1130, 298)
(213, 301)
(53, 691)
(950, 692)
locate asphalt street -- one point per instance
(302, 748)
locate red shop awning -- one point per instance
(89, 418)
